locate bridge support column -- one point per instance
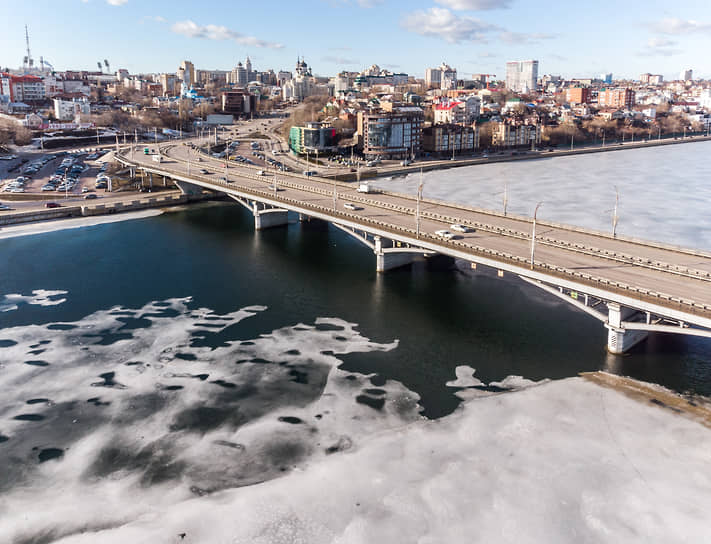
(387, 260)
(267, 218)
(619, 339)
(188, 188)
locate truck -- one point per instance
(156, 158)
(363, 188)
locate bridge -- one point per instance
(632, 286)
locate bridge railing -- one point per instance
(438, 243)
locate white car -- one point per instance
(444, 234)
(350, 206)
(460, 228)
(8, 157)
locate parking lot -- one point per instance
(52, 175)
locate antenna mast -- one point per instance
(28, 59)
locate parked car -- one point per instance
(52, 205)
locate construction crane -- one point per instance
(486, 79)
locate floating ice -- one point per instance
(39, 297)
(465, 377)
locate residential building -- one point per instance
(442, 77)
(464, 111)
(312, 138)
(26, 88)
(238, 102)
(522, 76)
(511, 135)
(686, 75)
(169, 84)
(651, 79)
(616, 98)
(450, 139)
(67, 110)
(391, 135)
(186, 73)
(577, 95)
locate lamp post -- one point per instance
(335, 194)
(419, 198)
(533, 233)
(614, 213)
(506, 197)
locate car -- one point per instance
(52, 205)
(84, 189)
(203, 171)
(460, 228)
(445, 234)
(275, 188)
(90, 196)
(351, 206)
(8, 157)
(48, 187)
(4, 206)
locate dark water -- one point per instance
(443, 315)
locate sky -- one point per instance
(572, 39)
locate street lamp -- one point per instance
(533, 233)
(420, 187)
(506, 197)
(614, 213)
(335, 194)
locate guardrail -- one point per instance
(524, 263)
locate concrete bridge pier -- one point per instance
(619, 339)
(188, 188)
(265, 218)
(387, 257)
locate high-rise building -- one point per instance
(522, 75)
(606, 78)
(686, 75)
(186, 73)
(442, 77)
(391, 135)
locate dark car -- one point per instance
(52, 205)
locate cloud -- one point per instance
(676, 26)
(524, 38)
(442, 23)
(487, 55)
(475, 5)
(153, 18)
(339, 60)
(660, 47)
(216, 32)
(116, 2)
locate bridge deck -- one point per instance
(680, 277)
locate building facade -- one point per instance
(391, 135)
(450, 139)
(578, 95)
(616, 98)
(312, 138)
(67, 110)
(522, 75)
(22, 88)
(510, 135)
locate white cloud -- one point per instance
(218, 32)
(660, 47)
(116, 2)
(442, 23)
(676, 26)
(339, 60)
(474, 5)
(524, 38)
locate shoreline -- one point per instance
(523, 155)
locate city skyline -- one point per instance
(472, 36)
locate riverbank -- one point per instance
(97, 208)
(508, 156)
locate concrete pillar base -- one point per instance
(388, 261)
(619, 339)
(265, 219)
